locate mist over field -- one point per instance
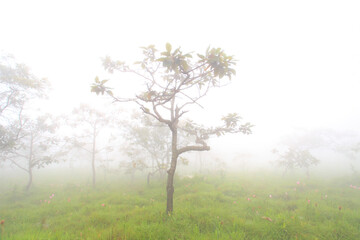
(179, 120)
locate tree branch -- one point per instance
(16, 164)
(193, 148)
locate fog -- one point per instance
(297, 75)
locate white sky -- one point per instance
(299, 61)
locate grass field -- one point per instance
(250, 206)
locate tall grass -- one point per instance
(252, 206)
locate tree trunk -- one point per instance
(30, 163)
(30, 179)
(148, 178)
(93, 170)
(171, 173)
(93, 157)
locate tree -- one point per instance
(147, 139)
(296, 158)
(36, 146)
(89, 122)
(17, 86)
(173, 81)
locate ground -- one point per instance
(237, 206)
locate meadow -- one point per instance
(235, 206)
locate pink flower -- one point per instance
(254, 196)
(248, 199)
(309, 201)
(49, 201)
(53, 195)
(270, 196)
(298, 182)
(69, 199)
(103, 204)
(234, 202)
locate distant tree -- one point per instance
(36, 146)
(173, 81)
(352, 151)
(296, 158)
(329, 142)
(89, 123)
(17, 86)
(147, 144)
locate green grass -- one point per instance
(236, 207)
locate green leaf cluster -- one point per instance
(99, 87)
(175, 61)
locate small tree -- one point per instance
(89, 122)
(17, 86)
(36, 146)
(173, 81)
(146, 140)
(296, 158)
(148, 144)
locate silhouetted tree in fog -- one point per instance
(88, 123)
(17, 86)
(37, 145)
(296, 158)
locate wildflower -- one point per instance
(2, 222)
(308, 201)
(340, 208)
(254, 196)
(267, 218)
(298, 182)
(270, 196)
(103, 204)
(48, 201)
(234, 202)
(248, 199)
(53, 195)
(69, 199)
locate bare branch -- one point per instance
(193, 148)
(19, 166)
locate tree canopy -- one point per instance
(173, 81)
